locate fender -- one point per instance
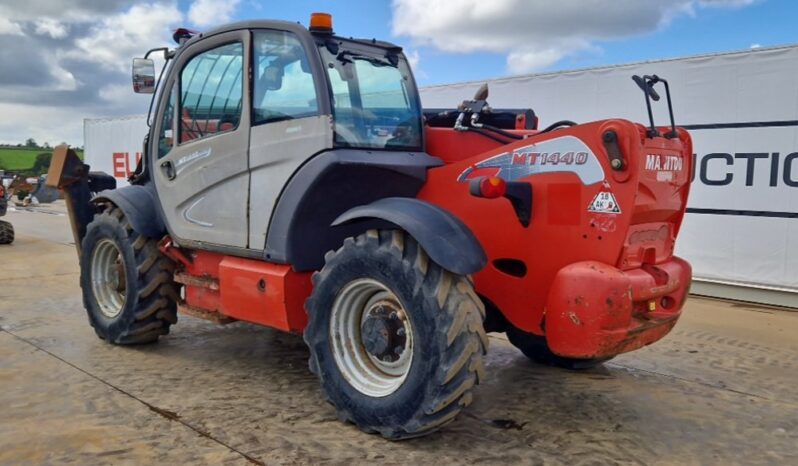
(447, 240)
(140, 205)
(324, 188)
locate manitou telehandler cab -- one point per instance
(291, 179)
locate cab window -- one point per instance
(211, 92)
(283, 87)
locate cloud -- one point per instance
(51, 27)
(9, 28)
(118, 38)
(535, 34)
(71, 60)
(727, 3)
(414, 60)
(63, 10)
(212, 12)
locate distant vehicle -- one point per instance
(6, 228)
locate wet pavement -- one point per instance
(721, 389)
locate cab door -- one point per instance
(201, 164)
(290, 118)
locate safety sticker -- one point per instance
(604, 203)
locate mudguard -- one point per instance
(446, 239)
(140, 206)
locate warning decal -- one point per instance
(605, 203)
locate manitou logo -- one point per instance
(656, 162)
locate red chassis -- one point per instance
(593, 270)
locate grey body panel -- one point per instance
(207, 199)
(276, 151)
(327, 186)
(139, 203)
(447, 240)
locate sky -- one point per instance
(65, 60)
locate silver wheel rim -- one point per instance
(367, 373)
(108, 278)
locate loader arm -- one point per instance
(69, 174)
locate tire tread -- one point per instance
(464, 341)
(156, 301)
(6, 232)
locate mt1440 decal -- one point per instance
(564, 154)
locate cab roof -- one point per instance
(295, 27)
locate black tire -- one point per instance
(150, 293)
(535, 348)
(6, 232)
(447, 330)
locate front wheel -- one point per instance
(127, 283)
(535, 348)
(396, 340)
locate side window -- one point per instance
(283, 82)
(166, 136)
(211, 85)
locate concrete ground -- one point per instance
(721, 389)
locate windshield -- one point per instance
(375, 102)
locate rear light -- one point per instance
(489, 187)
(2, 190)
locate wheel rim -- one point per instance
(372, 337)
(108, 278)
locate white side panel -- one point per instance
(114, 145)
(276, 151)
(743, 222)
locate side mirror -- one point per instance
(143, 76)
(272, 78)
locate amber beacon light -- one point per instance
(321, 22)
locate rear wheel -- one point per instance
(128, 287)
(6, 232)
(535, 348)
(396, 340)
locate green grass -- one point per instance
(21, 158)
(18, 159)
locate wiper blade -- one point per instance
(347, 56)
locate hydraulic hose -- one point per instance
(488, 135)
(502, 132)
(557, 124)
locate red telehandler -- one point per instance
(290, 178)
